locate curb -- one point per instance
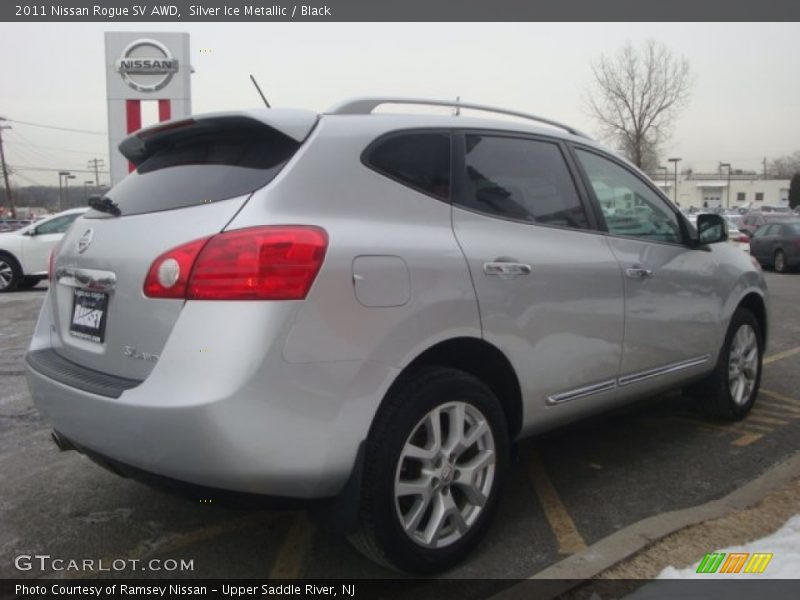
(623, 544)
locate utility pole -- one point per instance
(95, 165)
(728, 166)
(9, 199)
(764, 162)
(675, 162)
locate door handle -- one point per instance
(638, 273)
(506, 270)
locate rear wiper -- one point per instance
(104, 204)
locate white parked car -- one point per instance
(24, 252)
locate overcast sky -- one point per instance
(745, 102)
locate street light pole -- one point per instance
(728, 200)
(9, 199)
(675, 162)
(61, 189)
(665, 178)
(66, 186)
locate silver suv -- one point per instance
(371, 308)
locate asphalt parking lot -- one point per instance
(570, 488)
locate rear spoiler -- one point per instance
(296, 124)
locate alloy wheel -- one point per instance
(445, 474)
(6, 274)
(743, 364)
(780, 262)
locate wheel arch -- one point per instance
(755, 303)
(480, 359)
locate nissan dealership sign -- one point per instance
(144, 68)
(147, 65)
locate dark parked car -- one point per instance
(755, 220)
(777, 245)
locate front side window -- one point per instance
(420, 160)
(521, 179)
(630, 207)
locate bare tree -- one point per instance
(636, 97)
(785, 166)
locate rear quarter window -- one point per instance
(420, 160)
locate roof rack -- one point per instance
(365, 106)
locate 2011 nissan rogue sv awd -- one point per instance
(373, 307)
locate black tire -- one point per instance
(10, 273)
(380, 535)
(714, 393)
(779, 262)
(28, 283)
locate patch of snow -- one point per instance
(784, 544)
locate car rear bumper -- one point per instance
(240, 421)
(297, 443)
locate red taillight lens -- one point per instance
(744, 239)
(169, 274)
(258, 263)
(51, 262)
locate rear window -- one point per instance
(420, 160)
(204, 164)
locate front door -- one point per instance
(672, 307)
(549, 289)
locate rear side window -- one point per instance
(204, 164)
(420, 160)
(521, 179)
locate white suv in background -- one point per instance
(24, 252)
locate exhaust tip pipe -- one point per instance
(61, 442)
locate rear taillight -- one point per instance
(51, 262)
(258, 263)
(168, 276)
(743, 238)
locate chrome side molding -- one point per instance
(658, 371)
(605, 386)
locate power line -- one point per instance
(25, 168)
(70, 129)
(18, 143)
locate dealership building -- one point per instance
(718, 190)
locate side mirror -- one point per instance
(31, 232)
(711, 228)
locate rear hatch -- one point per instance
(191, 178)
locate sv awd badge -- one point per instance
(132, 352)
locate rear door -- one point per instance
(759, 243)
(191, 179)
(549, 288)
(672, 301)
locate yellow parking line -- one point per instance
(296, 545)
(782, 355)
(748, 426)
(746, 439)
(793, 402)
(569, 539)
(177, 541)
(758, 418)
(778, 411)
